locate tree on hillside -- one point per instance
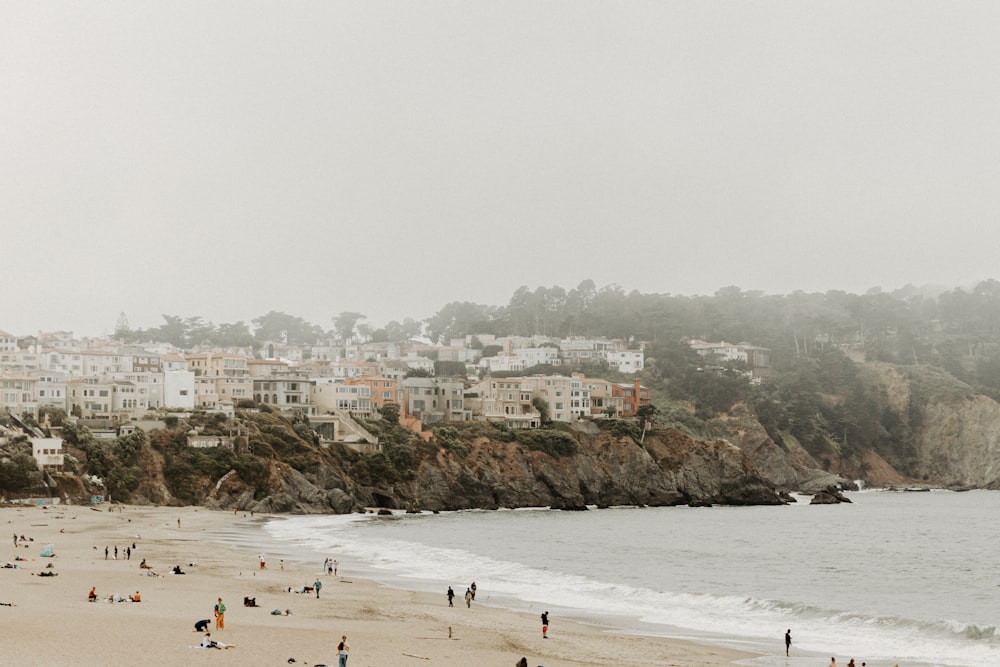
(345, 323)
(276, 327)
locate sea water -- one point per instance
(892, 577)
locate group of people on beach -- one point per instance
(470, 595)
(127, 552)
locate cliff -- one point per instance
(475, 466)
(954, 439)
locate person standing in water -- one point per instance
(545, 625)
(788, 640)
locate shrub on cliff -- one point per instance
(553, 443)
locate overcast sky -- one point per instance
(226, 159)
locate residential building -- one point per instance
(567, 397)
(259, 368)
(333, 394)
(537, 356)
(502, 363)
(632, 396)
(419, 363)
(502, 400)
(8, 342)
(383, 389)
(626, 361)
(48, 453)
(435, 400)
(92, 396)
(17, 394)
(215, 364)
(178, 389)
(288, 392)
(50, 389)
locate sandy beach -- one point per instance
(53, 622)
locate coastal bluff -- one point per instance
(468, 466)
(669, 468)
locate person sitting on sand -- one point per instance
(177, 570)
(136, 597)
(144, 566)
(92, 595)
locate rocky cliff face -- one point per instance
(955, 443)
(669, 469)
(958, 443)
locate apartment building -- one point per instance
(502, 400)
(435, 400)
(383, 389)
(332, 394)
(288, 392)
(93, 397)
(568, 398)
(50, 389)
(17, 394)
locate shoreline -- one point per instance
(53, 621)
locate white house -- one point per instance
(536, 356)
(48, 453)
(178, 389)
(626, 361)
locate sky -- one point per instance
(227, 159)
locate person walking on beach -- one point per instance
(468, 598)
(473, 589)
(220, 615)
(116, 552)
(263, 564)
(326, 565)
(788, 640)
(317, 585)
(451, 597)
(105, 553)
(342, 650)
(335, 567)
(545, 625)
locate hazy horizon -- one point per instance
(226, 159)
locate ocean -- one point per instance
(893, 577)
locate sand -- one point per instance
(53, 623)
